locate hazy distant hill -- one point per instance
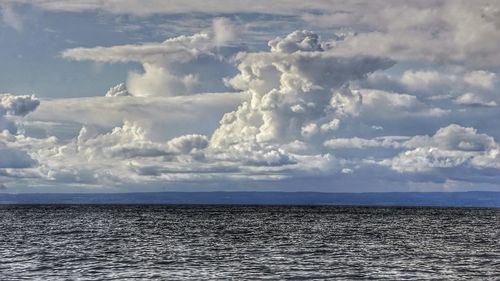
(457, 199)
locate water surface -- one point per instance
(247, 242)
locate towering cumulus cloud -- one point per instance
(299, 94)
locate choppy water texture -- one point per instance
(247, 242)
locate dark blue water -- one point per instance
(248, 242)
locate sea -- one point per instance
(222, 242)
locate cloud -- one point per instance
(450, 147)
(427, 80)
(473, 100)
(163, 117)
(124, 155)
(295, 89)
(14, 106)
(303, 40)
(372, 102)
(119, 90)
(10, 17)
(455, 137)
(225, 32)
(436, 82)
(457, 32)
(303, 113)
(14, 159)
(17, 105)
(136, 7)
(188, 143)
(439, 31)
(288, 101)
(340, 143)
(182, 65)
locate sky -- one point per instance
(285, 95)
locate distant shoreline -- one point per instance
(382, 199)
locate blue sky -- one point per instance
(105, 96)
